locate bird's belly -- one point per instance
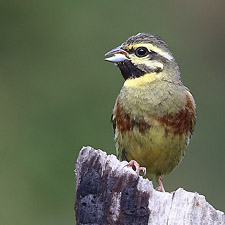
(154, 149)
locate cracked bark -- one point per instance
(109, 193)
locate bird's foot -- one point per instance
(160, 182)
(137, 167)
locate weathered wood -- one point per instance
(108, 192)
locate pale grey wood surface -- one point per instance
(109, 192)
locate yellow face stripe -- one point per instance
(151, 47)
(149, 63)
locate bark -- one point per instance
(108, 192)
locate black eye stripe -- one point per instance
(132, 51)
(141, 52)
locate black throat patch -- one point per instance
(129, 70)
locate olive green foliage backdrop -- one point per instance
(57, 94)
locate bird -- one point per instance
(154, 115)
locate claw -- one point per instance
(133, 163)
(160, 182)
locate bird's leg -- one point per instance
(160, 182)
(137, 167)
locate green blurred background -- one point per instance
(57, 94)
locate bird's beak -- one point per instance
(119, 55)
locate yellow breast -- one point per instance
(156, 150)
(154, 130)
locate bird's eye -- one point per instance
(141, 52)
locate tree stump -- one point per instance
(108, 192)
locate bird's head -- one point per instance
(144, 54)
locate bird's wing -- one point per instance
(192, 109)
(113, 121)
